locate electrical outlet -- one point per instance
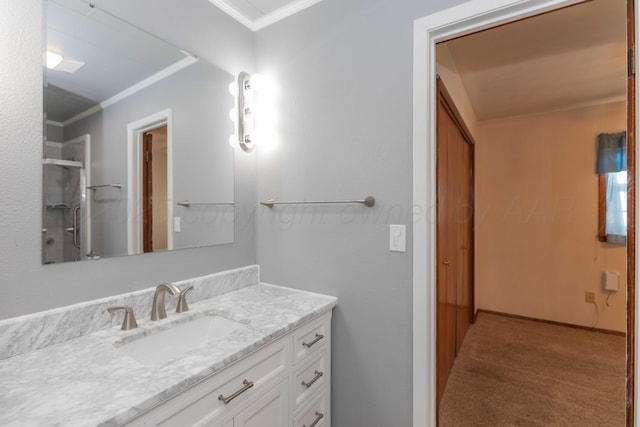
(589, 297)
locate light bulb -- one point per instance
(233, 115)
(256, 82)
(249, 141)
(233, 141)
(249, 123)
(265, 112)
(233, 88)
(249, 97)
(255, 108)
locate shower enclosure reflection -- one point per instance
(66, 229)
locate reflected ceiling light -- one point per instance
(53, 59)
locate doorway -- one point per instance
(446, 25)
(154, 189)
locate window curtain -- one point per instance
(612, 158)
(612, 152)
(616, 227)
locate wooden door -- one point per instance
(463, 222)
(147, 192)
(454, 239)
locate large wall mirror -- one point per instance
(136, 153)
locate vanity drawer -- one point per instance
(317, 413)
(311, 378)
(235, 383)
(311, 338)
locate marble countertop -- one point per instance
(87, 381)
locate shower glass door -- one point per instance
(66, 225)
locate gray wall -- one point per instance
(28, 286)
(344, 68)
(199, 100)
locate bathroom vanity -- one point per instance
(286, 380)
(245, 354)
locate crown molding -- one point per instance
(267, 19)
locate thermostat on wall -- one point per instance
(611, 281)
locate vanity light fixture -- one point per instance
(243, 115)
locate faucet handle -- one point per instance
(182, 300)
(129, 321)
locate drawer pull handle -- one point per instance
(247, 385)
(316, 378)
(309, 344)
(319, 416)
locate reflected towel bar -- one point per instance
(187, 204)
(368, 201)
(95, 187)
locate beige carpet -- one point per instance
(513, 372)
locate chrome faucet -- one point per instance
(158, 310)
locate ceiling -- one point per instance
(571, 57)
(116, 57)
(257, 14)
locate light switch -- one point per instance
(176, 224)
(398, 237)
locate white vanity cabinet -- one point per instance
(270, 409)
(282, 384)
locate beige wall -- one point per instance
(446, 69)
(536, 217)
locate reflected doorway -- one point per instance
(150, 225)
(154, 189)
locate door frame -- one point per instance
(135, 130)
(447, 24)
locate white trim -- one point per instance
(162, 74)
(53, 144)
(267, 19)
(60, 162)
(234, 13)
(88, 247)
(54, 123)
(454, 22)
(134, 177)
(283, 12)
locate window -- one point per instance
(611, 166)
(612, 221)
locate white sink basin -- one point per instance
(164, 346)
